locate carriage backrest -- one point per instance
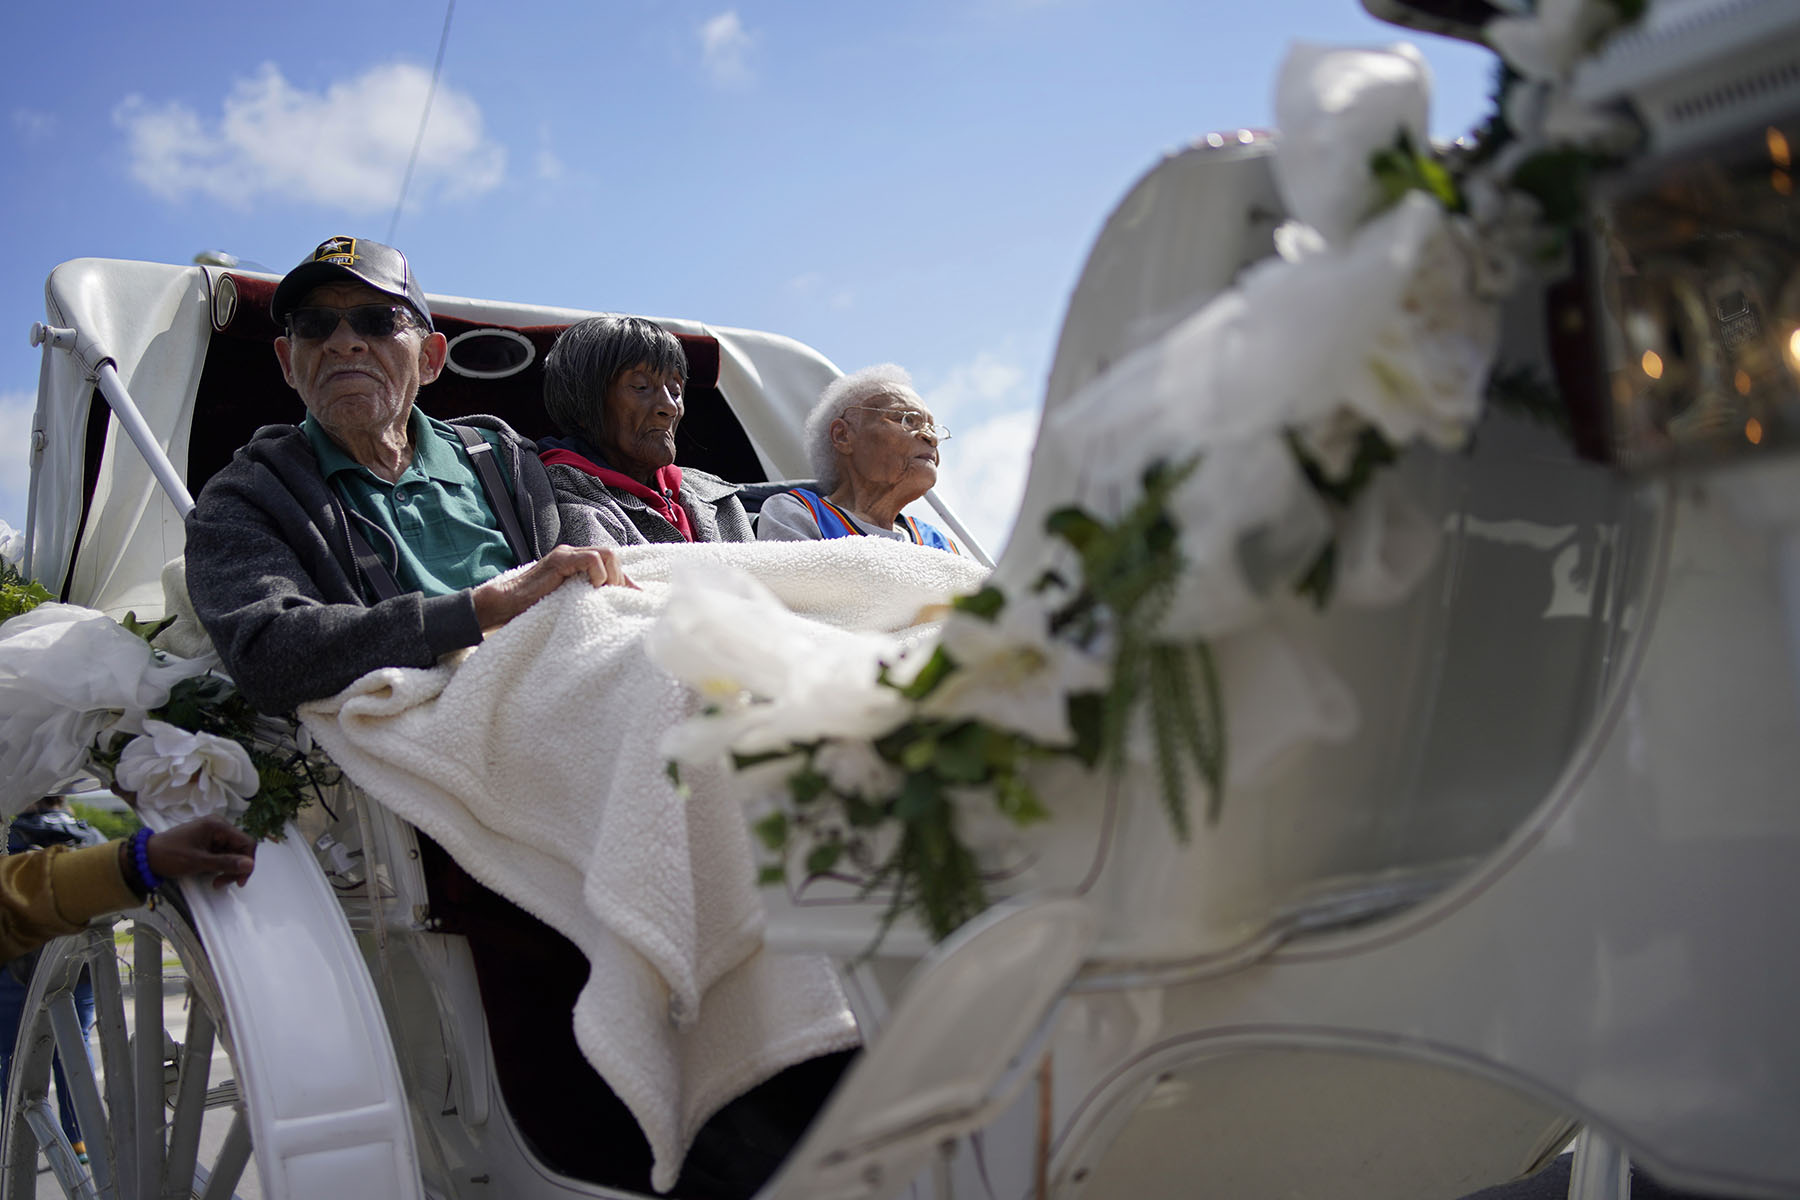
(241, 387)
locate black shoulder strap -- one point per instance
(381, 580)
(481, 454)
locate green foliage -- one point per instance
(985, 604)
(1128, 573)
(1188, 723)
(107, 822)
(145, 630)
(772, 831)
(19, 595)
(937, 668)
(1403, 168)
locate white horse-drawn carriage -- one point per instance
(1541, 887)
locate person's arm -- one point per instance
(50, 892)
(282, 608)
(55, 891)
(784, 518)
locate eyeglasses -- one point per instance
(366, 320)
(910, 419)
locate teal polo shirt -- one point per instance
(437, 514)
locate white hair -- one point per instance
(840, 395)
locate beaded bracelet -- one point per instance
(140, 859)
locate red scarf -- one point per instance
(668, 479)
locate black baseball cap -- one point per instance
(350, 260)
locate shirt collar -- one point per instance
(433, 456)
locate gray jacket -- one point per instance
(272, 578)
(712, 505)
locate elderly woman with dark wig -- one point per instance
(874, 447)
(613, 387)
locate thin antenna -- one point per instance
(419, 139)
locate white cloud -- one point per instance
(992, 414)
(983, 476)
(989, 381)
(16, 409)
(725, 47)
(33, 125)
(345, 147)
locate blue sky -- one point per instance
(911, 182)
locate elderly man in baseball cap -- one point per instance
(370, 535)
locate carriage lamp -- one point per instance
(1691, 307)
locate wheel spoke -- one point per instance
(55, 1147)
(71, 1046)
(190, 1103)
(229, 1167)
(147, 1038)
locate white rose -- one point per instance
(183, 775)
(1424, 372)
(1336, 108)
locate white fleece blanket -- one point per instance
(534, 760)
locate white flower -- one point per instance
(793, 680)
(1012, 674)
(1548, 44)
(1424, 371)
(854, 768)
(183, 775)
(1336, 107)
(12, 544)
(1388, 325)
(68, 674)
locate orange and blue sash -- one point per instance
(834, 522)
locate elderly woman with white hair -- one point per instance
(874, 447)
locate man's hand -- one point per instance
(500, 600)
(207, 846)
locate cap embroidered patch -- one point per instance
(344, 259)
(339, 250)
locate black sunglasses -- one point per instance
(366, 320)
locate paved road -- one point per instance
(212, 1131)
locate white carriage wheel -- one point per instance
(142, 1104)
